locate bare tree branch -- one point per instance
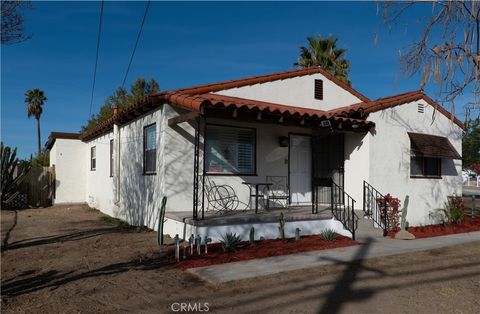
(12, 30)
(448, 51)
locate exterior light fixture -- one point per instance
(325, 123)
(283, 141)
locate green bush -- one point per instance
(230, 242)
(328, 235)
(453, 211)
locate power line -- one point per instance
(96, 59)
(136, 43)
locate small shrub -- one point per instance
(328, 235)
(393, 211)
(230, 242)
(452, 212)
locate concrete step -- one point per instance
(365, 227)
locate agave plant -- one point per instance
(11, 174)
(230, 242)
(328, 235)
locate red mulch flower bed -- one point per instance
(261, 249)
(468, 225)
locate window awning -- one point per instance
(432, 146)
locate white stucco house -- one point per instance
(232, 155)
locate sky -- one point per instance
(183, 44)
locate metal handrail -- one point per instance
(373, 209)
(343, 208)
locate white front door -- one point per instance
(300, 170)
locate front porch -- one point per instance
(237, 149)
(248, 216)
(265, 223)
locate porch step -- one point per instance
(365, 228)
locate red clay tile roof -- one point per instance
(364, 108)
(209, 88)
(200, 97)
(199, 102)
(56, 135)
(141, 107)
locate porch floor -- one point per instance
(293, 213)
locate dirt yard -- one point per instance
(66, 260)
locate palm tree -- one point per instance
(34, 99)
(323, 52)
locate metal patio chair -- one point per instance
(278, 192)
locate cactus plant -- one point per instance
(10, 178)
(177, 248)
(404, 223)
(297, 234)
(161, 221)
(190, 241)
(198, 243)
(252, 235)
(206, 241)
(281, 226)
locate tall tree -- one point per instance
(35, 99)
(447, 50)
(122, 98)
(12, 30)
(471, 144)
(324, 52)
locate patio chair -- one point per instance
(278, 192)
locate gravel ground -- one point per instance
(65, 259)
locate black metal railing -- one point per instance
(375, 207)
(343, 208)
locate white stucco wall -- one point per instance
(68, 157)
(297, 91)
(357, 165)
(262, 230)
(99, 187)
(139, 194)
(389, 156)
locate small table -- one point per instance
(256, 184)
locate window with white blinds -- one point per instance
(230, 150)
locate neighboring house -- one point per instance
(326, 145)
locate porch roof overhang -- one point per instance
(425, 145)
(219, 103)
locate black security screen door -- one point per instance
(328, 163)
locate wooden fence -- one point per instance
(37, 189)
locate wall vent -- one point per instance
(318, 94)
(421, 108)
